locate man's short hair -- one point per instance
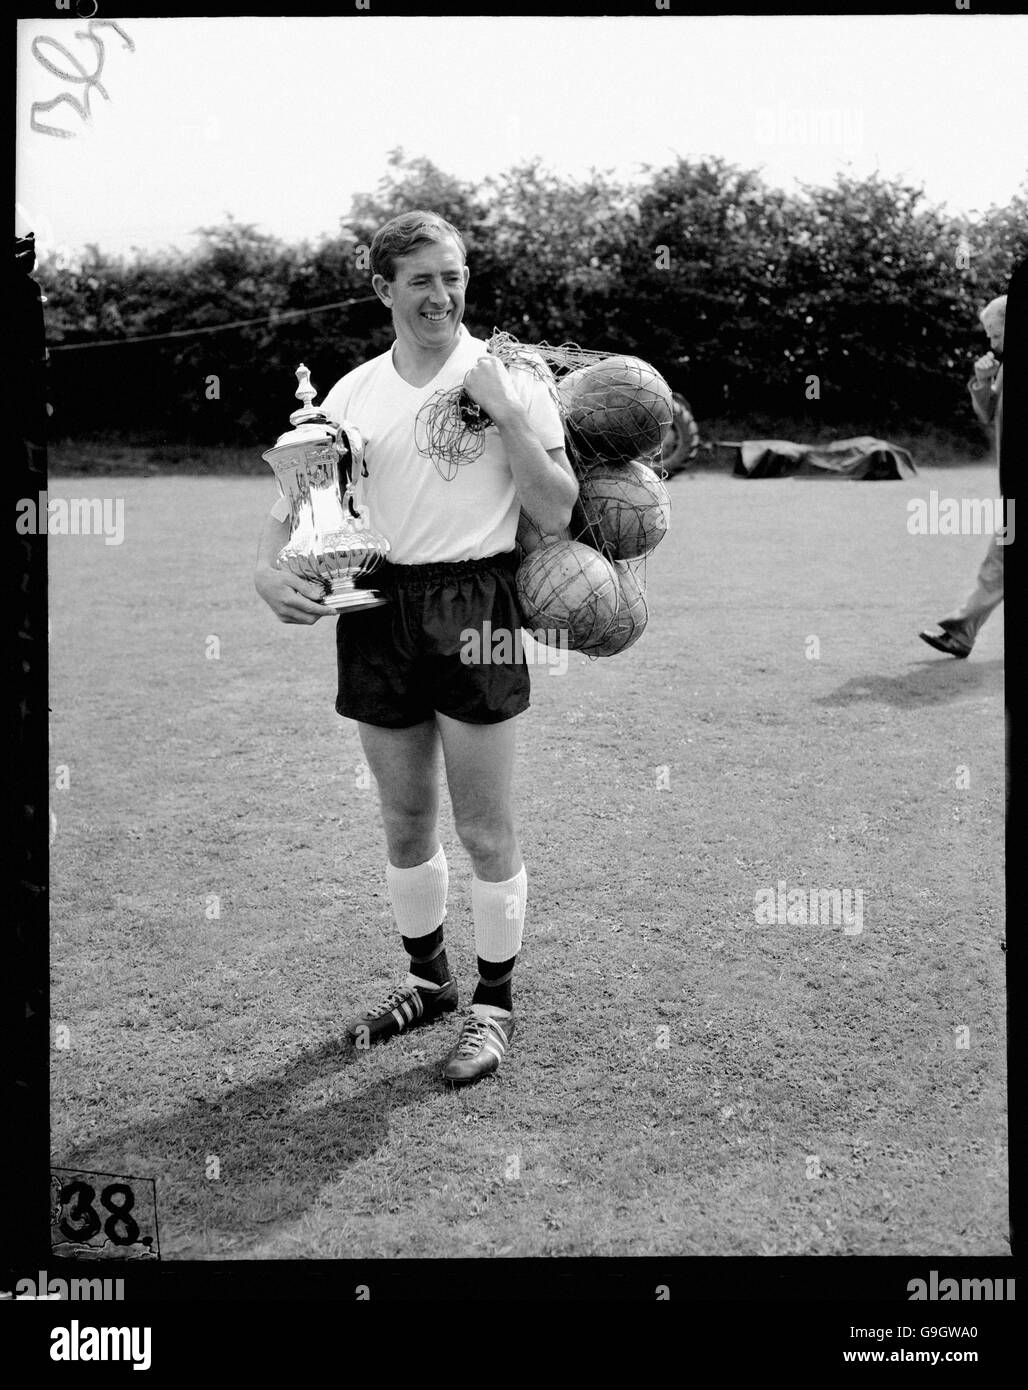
(995, 312)
(405, 234)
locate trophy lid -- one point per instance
(309, 422)
(305, 392)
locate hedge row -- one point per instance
(856, 302)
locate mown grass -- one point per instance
(657, 792)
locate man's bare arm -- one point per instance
(983, 397)
(544, 479)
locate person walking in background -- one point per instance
(958, 632)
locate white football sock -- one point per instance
(418, 895)
(499, 912)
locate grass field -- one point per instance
(108, 458)
(685, 1081)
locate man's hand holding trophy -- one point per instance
(332, 544)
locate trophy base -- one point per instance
(348, 597)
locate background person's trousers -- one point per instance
(988, 593)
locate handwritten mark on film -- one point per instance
(91, 80)
(103, 1216)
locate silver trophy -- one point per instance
(331, 540)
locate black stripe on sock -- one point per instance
(494, 983)
(428, 957)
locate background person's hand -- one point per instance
(292, 600)
(986, 368)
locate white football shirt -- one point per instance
(425, 518)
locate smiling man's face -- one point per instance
(426, 296)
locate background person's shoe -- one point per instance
(480, 1049)
(944, 641)
(403, 1007)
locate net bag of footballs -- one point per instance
(623, 510)
(565, 587)
(632, 616)
(615, 410)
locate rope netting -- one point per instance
(613, 408)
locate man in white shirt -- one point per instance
(958, 631)
(401, 673)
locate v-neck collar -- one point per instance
(462, 337)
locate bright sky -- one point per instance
(278, 121)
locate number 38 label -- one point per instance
(103, 1216)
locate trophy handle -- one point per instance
(348, 440)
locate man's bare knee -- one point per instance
(486, 839)
(411, 835)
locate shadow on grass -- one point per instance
(931, 682)
(276, 1148)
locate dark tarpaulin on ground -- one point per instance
(864, 457)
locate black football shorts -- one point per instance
(405, 660)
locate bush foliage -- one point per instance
(738, 292)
